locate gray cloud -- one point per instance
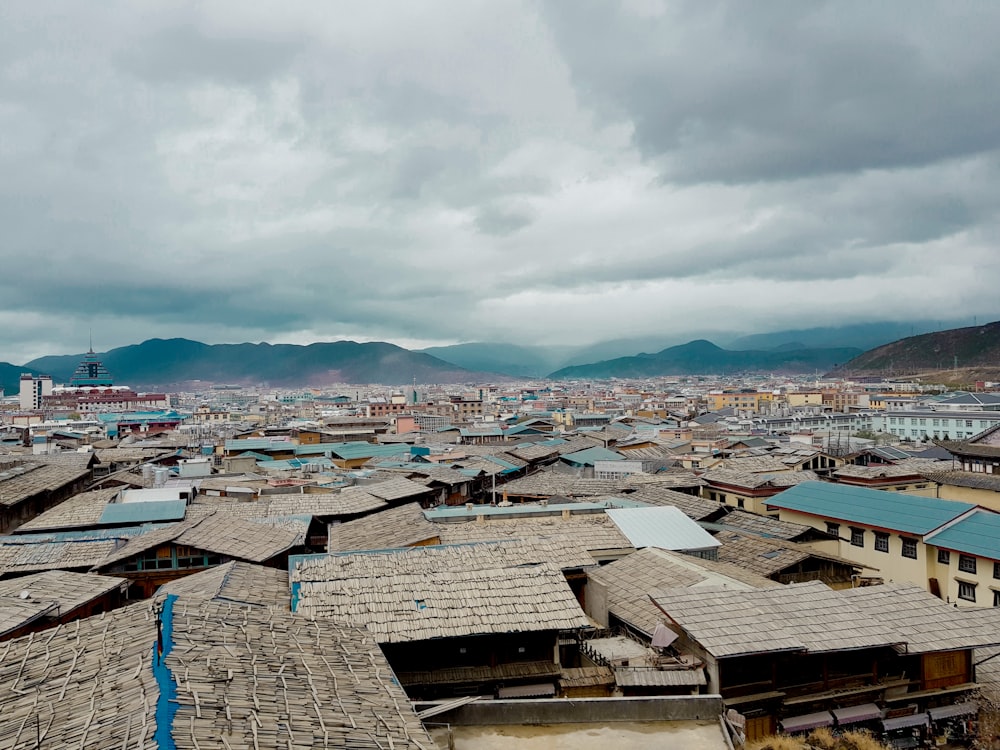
(530, 170)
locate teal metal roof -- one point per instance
(911, 514)
(295, 464)
(588, 456)
(348, 451)
(979, 534)
(259, 444)
(146, 512)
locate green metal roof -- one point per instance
(910, 514)
(146, 512)
(348, 451)
(979, 534)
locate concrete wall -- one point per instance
(585, 710)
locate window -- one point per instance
(967, 591)
(996, 570)
(996, 598)
(833, 529)
(968, 423)
(910, 548)
(967, 563)
(944, 557)
(881, 541)
(857, 537)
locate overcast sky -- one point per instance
(534, 172)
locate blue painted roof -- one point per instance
(294, 464)
(911, 514)
(979, 534)
(588, 456)
(145, 512)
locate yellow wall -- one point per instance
(986, 498)
(891, 565)
(949, 575)
(805, 399)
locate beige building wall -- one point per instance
(950, 575)
(986, 498)
(889, 566)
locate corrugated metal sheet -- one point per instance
(665, 527)
(979, 534)
(805, 722)
(888, 510)
(145, 512)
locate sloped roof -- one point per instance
(81, 510)
(235, 581)
(925, 622)
(694, 507)
(797, 617)
(976, 534)
(34, 477)
(766, 526)
(402, 526)
(768, 557)
(589, 456)
(217, 533)
(592, 531)
(422, 593)
(665, 527)
(278, 680)
(911, 514)
(633, 578)
(61, 589)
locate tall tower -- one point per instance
(90, 372)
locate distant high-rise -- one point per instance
(34, 389)
(90, 372)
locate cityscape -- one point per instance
(530, 375)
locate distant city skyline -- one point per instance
(528, 172)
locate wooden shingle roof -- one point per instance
(79, 511)
(422, 593)
(235, 581)
(632, 579)
(401, 526)
(252, 675)
(797, 617)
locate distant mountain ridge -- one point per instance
(705, 358)
(974, 346)
(159, 362)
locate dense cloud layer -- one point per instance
(535, 172)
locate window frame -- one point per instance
(964, 589)
(857, 537)
(909, 545)
(881, 541)
(944, 557)
(967, 564)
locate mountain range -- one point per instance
(970, 347)
(701, 357)
(162, 363)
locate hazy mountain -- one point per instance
(509, 359)
(705, 358)
(10, 378)
(975, 346)
(861, 335)
(159, 362)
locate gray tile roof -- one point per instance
(422, 593)
(256, 676)
(633, 578)
(402, 526)
(80, 511)
(797, 617)
(235, 581)
(925, 622)
(591, 531)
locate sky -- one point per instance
(491, 170)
